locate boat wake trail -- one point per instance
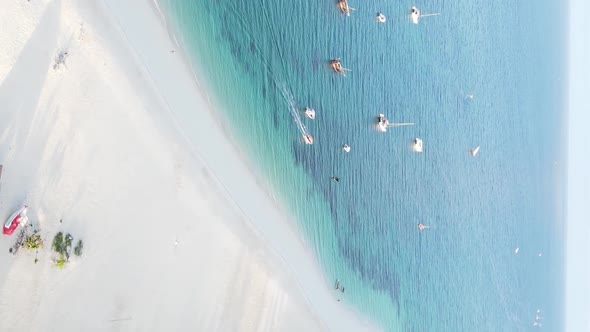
(282, 68)
(288, 96)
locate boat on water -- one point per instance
(336, 65)
(383, 123)
(308, 139)
(474, 152)
(381, 18)
(422, 227)
(344, 7)
(337, 285)
(516, 250)
(417, 145)
(346, 148)
(310, 113)
(17, 218)
(416, 15)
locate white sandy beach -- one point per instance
(122, 145)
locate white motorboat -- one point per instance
(382, 123)
(417, 145)
(310, 113)
(474, 152)
(422, 227)
(346, 148)
(308, 139)
(416, 14)
(381, 18)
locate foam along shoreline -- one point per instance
(117, 144)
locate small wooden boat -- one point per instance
(344, 7)
(336, 65)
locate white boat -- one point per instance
(416, 14)
(422, 227)
(310, 113)
(516, 250)
(346, 148)
(417, 145)
(381, 18)
(382, 123)
(308, 139)
(474, 151)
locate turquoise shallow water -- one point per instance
(264, 61)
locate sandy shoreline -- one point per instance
(122, 146)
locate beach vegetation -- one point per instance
(60, 262)
(58, 242)
(33, 241)
(62, 245)
(78, 248)
(68, 246)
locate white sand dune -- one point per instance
(121, 145)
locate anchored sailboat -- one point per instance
(383, 123)
(416, 14)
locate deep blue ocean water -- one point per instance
(264, 61)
